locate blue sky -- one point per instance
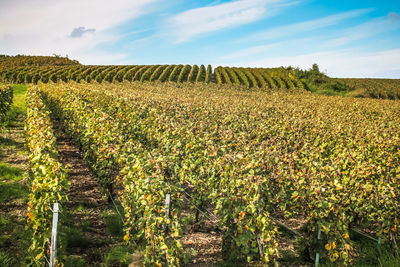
(346, 38)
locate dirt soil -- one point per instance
(86, 204)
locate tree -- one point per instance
(315, 68)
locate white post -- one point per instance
(54, 236)
(167, 204)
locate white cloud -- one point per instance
(287, 45)
(43, 27)
(344, 63)
(391, 22)
(194, 22)
(290, 31)
(306, 26)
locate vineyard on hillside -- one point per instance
(26, 61)
(255, 159)
(31, 69)
(245, 156)
(375, 88)
(278, 78)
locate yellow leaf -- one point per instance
(39, 256)
(126, 237)
(328, 246)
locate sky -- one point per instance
(345, 38)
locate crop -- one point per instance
(193, 73)
(47, 176)
(375, 88)
(6, 98)
(248, 154)
(286, 79)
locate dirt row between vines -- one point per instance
(85, 206)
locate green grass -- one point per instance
(10, 187)
(75, 261)
(14, 239)
(372, 255)
(114, 224)
(74, 238)
(18, 107)
(119, 256)
(8, 142)
(6, 260)
(10, 173)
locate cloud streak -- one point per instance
(192, 23)
(306, 26)
(287, 45)
(376, 26)
(367, 29)
(342, 63)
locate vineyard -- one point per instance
(34, 61)
(375, 88)
(246, 77)
(245, 157)
(200, 165)
(6, 97)
(30, 69)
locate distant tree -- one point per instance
(315, 68)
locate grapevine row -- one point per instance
(246, 77)
(116, 155)
(47, 176)
(6, 98)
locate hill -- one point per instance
(35, 69)
(25, 61)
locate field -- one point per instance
(177, 165)
(375, 88)
(32, 69)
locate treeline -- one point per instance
(318, 82)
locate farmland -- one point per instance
(30, 69)
(253, 153)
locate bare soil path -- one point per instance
(86, 210)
